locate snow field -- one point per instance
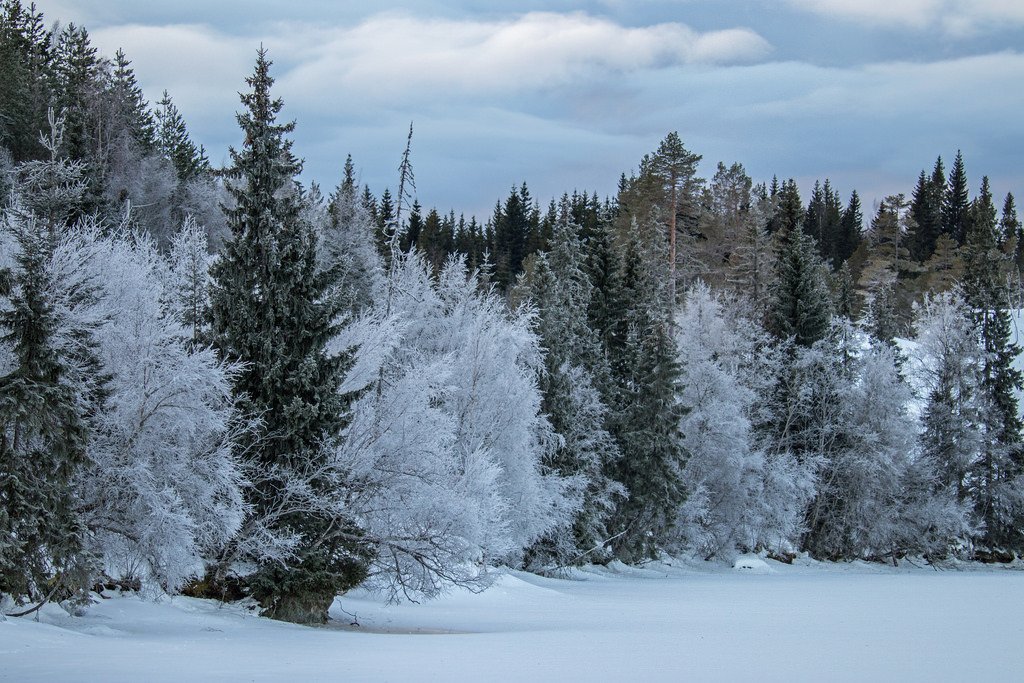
(658, 623)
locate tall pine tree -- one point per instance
(269, 311)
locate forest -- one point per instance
(228, 383)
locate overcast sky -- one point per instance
(568, 95)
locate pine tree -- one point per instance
(269, 311)
(851, 226)
(999, 501)
(956, 202)
(801, 308)
(926, 209)
(646, 409)
(174, 143)
(43, 431)
(669, 183)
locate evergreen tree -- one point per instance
(646, 409)
(1000, 503)
(1011, 237)
(513, 223)
(43, 430)
(956, 202)
(851, 225)
(926, 209)
(26, 61)
(174, 143)
(131, 106)
(823, 221)
(574, 367)
(269, 311)
(672, 174)
(801, 308)
(789, 212)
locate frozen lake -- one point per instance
(661, 623)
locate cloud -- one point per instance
(570, 100)
(394, 53)
(955, 17)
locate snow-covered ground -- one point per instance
(759, 621)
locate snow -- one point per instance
(661, 622)
(752, 564)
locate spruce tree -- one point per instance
(801, 309)
(43, 430)
(646, 410)
(956, 202)
(926, 209)
(172, 141)
(269, 311)
(998, 502)
(575, 368)
(851, 225)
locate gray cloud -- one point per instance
(570, 100)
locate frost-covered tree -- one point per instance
(741, 493)
(858, 511)
(161, 492)
(347, 248)
(1000, 473)
(444, 451)
(723, 469)
(187, 287)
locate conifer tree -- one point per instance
(956, 202)
(1011, 236)
(269, 311)
(801, 308)
(43, 431)
(851, 226)
(926, 209)
(26, 60)
(646, 409)
(174, 144)
(1000, 504)
(575, 366)
(131, 106)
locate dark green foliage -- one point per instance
(789, 211)
(43, 434)
(801, 309)
(131, 106)
(269, 310)
(512, 224)
(173, 142)
(25, 62)
(823, 221)
(575, 365)
(926, 210)
(646, 411)
(997, 504)
(956, 202)
(851, 227)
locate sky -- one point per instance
(569, 95)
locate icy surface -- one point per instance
(658, 623)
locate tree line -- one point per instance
(223, 382)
